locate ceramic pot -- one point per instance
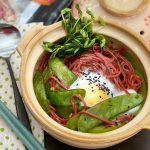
(127, 8)
(30, 50)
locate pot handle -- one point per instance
(28, 37)
(147, 123)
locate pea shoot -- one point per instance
(79, 34)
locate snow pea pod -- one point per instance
(47, 73)
(40, 92)
(72, 123)
(102, 129)
(62, 98)
(108, 109)
(61, 71)
(64, 111)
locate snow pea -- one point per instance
(62, 98)
(143, 89)
(64, 111)
(102, 128)
(61, 71)
(73, 122)
(109, 109)
(40, 92)
(47, 73)
(57, 87)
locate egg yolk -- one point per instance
(93, 94)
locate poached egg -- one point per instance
(98, 88)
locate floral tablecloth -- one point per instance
(8, 140)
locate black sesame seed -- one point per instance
(98, 78)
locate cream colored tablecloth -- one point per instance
(8, 139)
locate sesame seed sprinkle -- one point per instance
(96, 79)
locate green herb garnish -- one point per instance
(79, 35)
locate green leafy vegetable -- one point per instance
(102, 21)
(79, 11)
(101, 40)
(91, 14)
(79, 35)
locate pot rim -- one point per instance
(61, 131)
